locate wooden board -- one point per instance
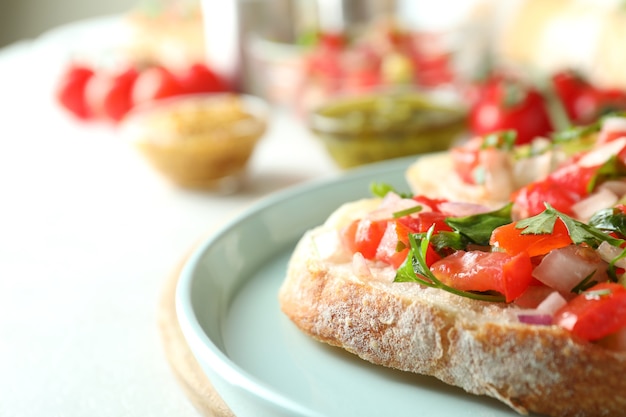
(187, 370)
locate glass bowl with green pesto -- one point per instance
(380, 125)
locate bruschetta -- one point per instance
(525, 303)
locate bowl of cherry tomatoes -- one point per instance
(199, 141)
(93, 93)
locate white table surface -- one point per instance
(88, 236)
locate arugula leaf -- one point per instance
(445, 239)
(478, 227)
(611, 219)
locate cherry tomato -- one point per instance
(199, 78)
(573, 91)
(70, 92)
(109, 93)
(596, 313)
(332, 40)
(155, 83)
(584, 102)
(506, 274)
(510, 105)
(325, 62)
(512, 240)
(361, 80)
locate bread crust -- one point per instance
(476, 345)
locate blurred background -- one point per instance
(300, 54)
(27, 19)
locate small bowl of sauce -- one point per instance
(199, 141)
(361, 129)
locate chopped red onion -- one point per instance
(360, 267)
(457, 209)
(600, 199)
(535, 318)
(602, 154)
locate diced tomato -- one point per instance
(364, 236)
(396, 234)
(433, 203)
(512, 240)
(466, 160)
(530, 200)
(423, 221)
(596, 313)
(506, 274)
(574, 178)
(388, 240)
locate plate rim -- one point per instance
(190, 325)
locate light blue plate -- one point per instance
(257, 360)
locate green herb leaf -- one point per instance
(479, 227)
(381, 189)
(540, 224)
(415, 269)
(407, 212)
(579, 232)
(585, 284)
(504, 139)
(610, 219)
(612, 168)
(445, 239)
(612, 269)
(576, 132)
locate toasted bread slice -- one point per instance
(434, 176)
(476, 345)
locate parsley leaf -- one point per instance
(381, 189)
(579, 232)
